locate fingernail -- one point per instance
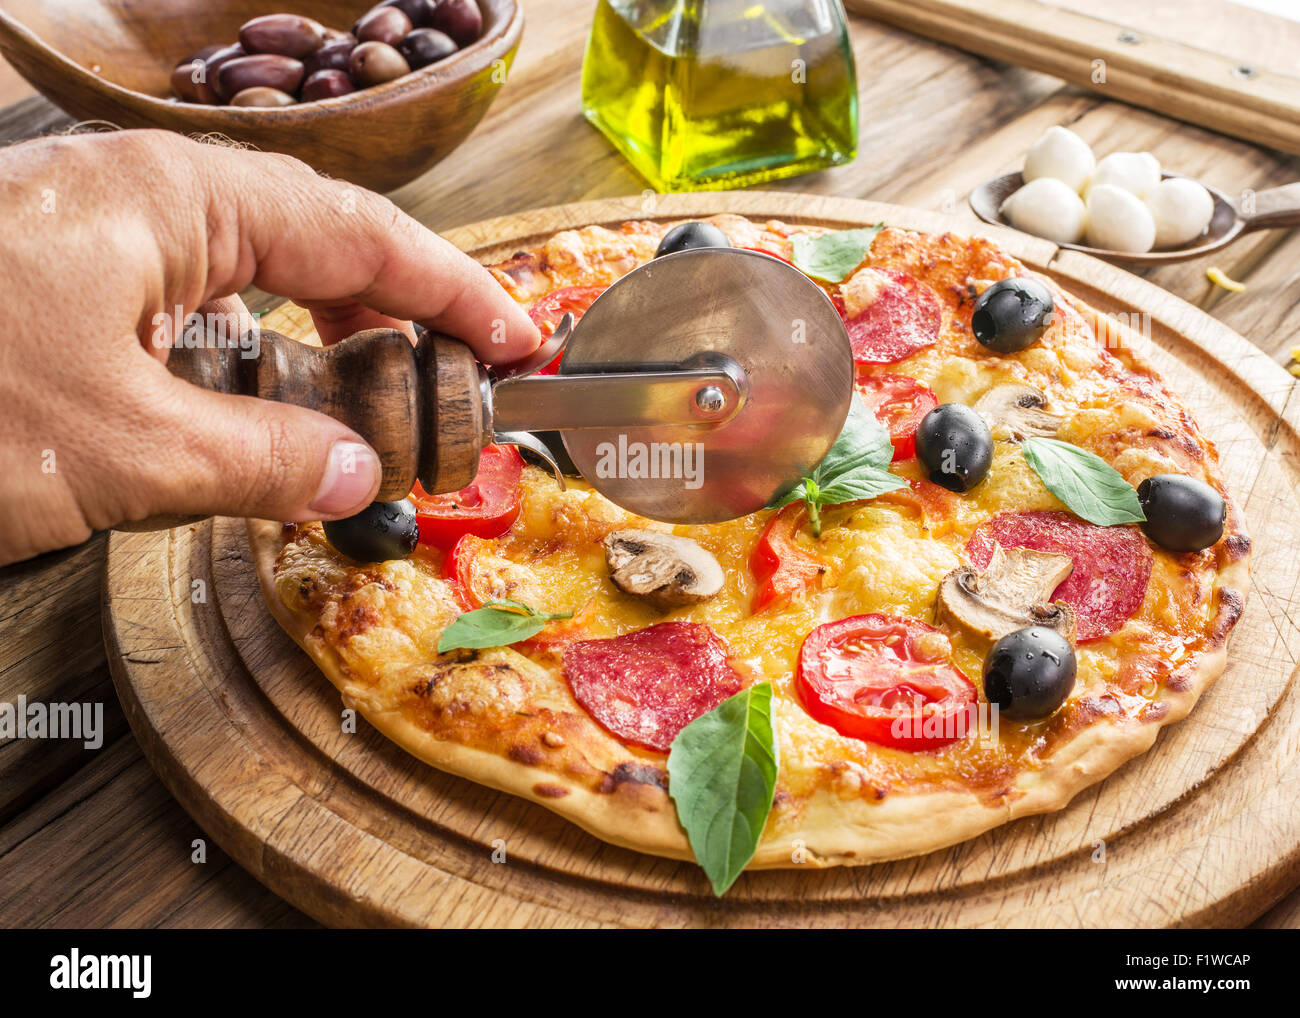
(350, 476)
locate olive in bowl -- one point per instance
(408, 125)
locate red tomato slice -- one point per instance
(886, 679)
(781, 568)
(558, 635)
(457, 570)
(487, 508)
(923, 497)
(899, 403)
(548, 311)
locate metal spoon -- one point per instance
(1275, 207)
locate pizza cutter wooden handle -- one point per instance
(420, 408)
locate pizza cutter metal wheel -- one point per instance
(759, 321)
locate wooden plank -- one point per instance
(134, 865)
(1195, 85)
(1268, 312)
(1248, 36)
(52, 651)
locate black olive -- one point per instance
(381, 531)
(955, 446)
(1029, 673)
(1011, 314)
(425, 46)
(691, 235)
(1182, 513)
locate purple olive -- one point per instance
(326, 84)
(289, 35)
(335, 34)
(183, 84)
(419, 11)
(333, 56)
(425, 46)
(203, 54)
(206, 83)
(373, 63)
(262, 69)
(382, 24)
(460, 19)
(260, 95)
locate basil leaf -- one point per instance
(800, 492)
(861, 484)
(1086, 483)
(856, 467)
(722, 775)
(496, 624)
(863, 441)
(832, 256)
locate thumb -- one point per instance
(242, 456)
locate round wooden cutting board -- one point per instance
(1202, 830)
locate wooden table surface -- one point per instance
(91, 838)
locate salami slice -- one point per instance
(647, 686)
(1111, 564)
(889, 315)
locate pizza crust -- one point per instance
(830, 828)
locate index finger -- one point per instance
(273, 222)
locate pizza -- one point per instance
(888, 640)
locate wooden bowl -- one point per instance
(111, 60)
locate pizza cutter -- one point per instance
(695, 389)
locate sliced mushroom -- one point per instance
(1009, 594)
(665, 570)
(1018, 411)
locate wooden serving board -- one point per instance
(246, 732)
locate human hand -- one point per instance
(105, 233)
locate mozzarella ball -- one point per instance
(1135, 172)
(1182, 210)
(1062, 154)
(1119, 221)
(1047, 208)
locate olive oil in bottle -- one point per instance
(708, 94)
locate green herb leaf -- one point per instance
(804, 491)
(861, 484)
(856, 467)
(863, 442)
(832, 256)
(722, 775)
(1090, 486)
(496, 624)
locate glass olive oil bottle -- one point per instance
(708, 94)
